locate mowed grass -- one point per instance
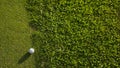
(75, 33)
(14, 35)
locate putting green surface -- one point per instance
(14, 35)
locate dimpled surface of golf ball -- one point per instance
(31, 50)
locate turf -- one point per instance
(75, 33)
(14, 35)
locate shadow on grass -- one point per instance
(24, 58)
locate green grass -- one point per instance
(14, 35)
(65, 34)
(75, 33)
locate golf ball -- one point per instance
(31, 50)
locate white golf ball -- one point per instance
(31, 50)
